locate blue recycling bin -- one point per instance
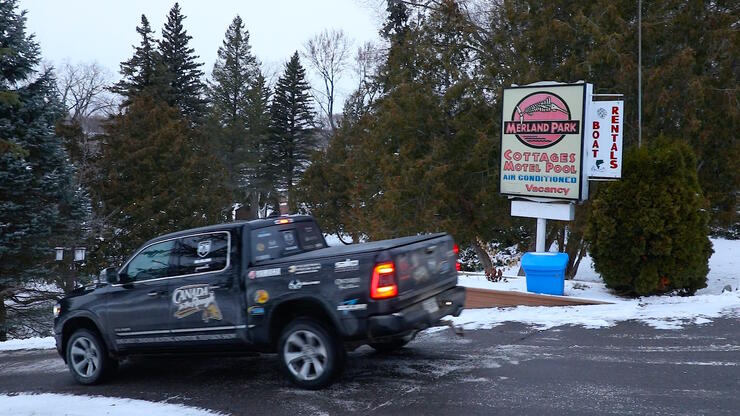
(545, 272)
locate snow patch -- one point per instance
(661, 312)
(47, 404)
(658, 312)
(36, 343)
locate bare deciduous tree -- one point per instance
(328, 53)
(367, 60)
(83, 90)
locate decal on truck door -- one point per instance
(196, 298)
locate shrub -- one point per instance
(648, 232)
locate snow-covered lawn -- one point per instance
(664, 312)
(68, 405)
(28, 344)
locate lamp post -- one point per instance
(78, 258)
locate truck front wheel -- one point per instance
(87, 357)
(309, 355)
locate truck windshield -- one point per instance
(281, 240)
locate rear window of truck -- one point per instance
(278, 241)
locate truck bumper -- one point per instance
(418, 316)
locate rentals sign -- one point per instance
(542, 141)
(604, 139)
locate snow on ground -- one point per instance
(28, 344)
(724, 266)
(68, 405)
(663, 312)
(333, 240)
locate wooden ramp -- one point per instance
(489, 298)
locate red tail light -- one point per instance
(456, 249)
(383, 284)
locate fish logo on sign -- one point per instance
(204, 247)
(541, 120)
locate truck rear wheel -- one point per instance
(309, 354)
(87, 357)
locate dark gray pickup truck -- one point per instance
(269, 285)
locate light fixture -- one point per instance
(80, 253)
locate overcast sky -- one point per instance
(105, 30)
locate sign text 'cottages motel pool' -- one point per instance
(542, 141)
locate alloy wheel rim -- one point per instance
(84, 356)
(305, 355)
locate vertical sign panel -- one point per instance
(542, 141)
(604, 138)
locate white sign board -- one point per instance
(550, 211)
(604, 126)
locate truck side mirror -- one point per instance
(110, 275)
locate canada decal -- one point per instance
(541, 119)
(196, 298)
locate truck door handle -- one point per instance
(155, 293)
(213, 287)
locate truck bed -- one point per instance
(354, 249)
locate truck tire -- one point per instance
(394, 344)
(87, 357)
(310, 356)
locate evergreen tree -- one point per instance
(424, 157)
(39, 200)
(234, 74)
(152, 180)
(259, 190)
(689, 60)
(184, 72)
(139, 72)
(293, 135)
(663, 245)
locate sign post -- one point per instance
(547, 132)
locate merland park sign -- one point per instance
(544, 147)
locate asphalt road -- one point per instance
(509, 370)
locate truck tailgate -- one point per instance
(424, 269)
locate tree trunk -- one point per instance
(69, 281)
(3, 318)
(254, 205)
(576, 250)
(483, 257)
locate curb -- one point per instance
(489, 298)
